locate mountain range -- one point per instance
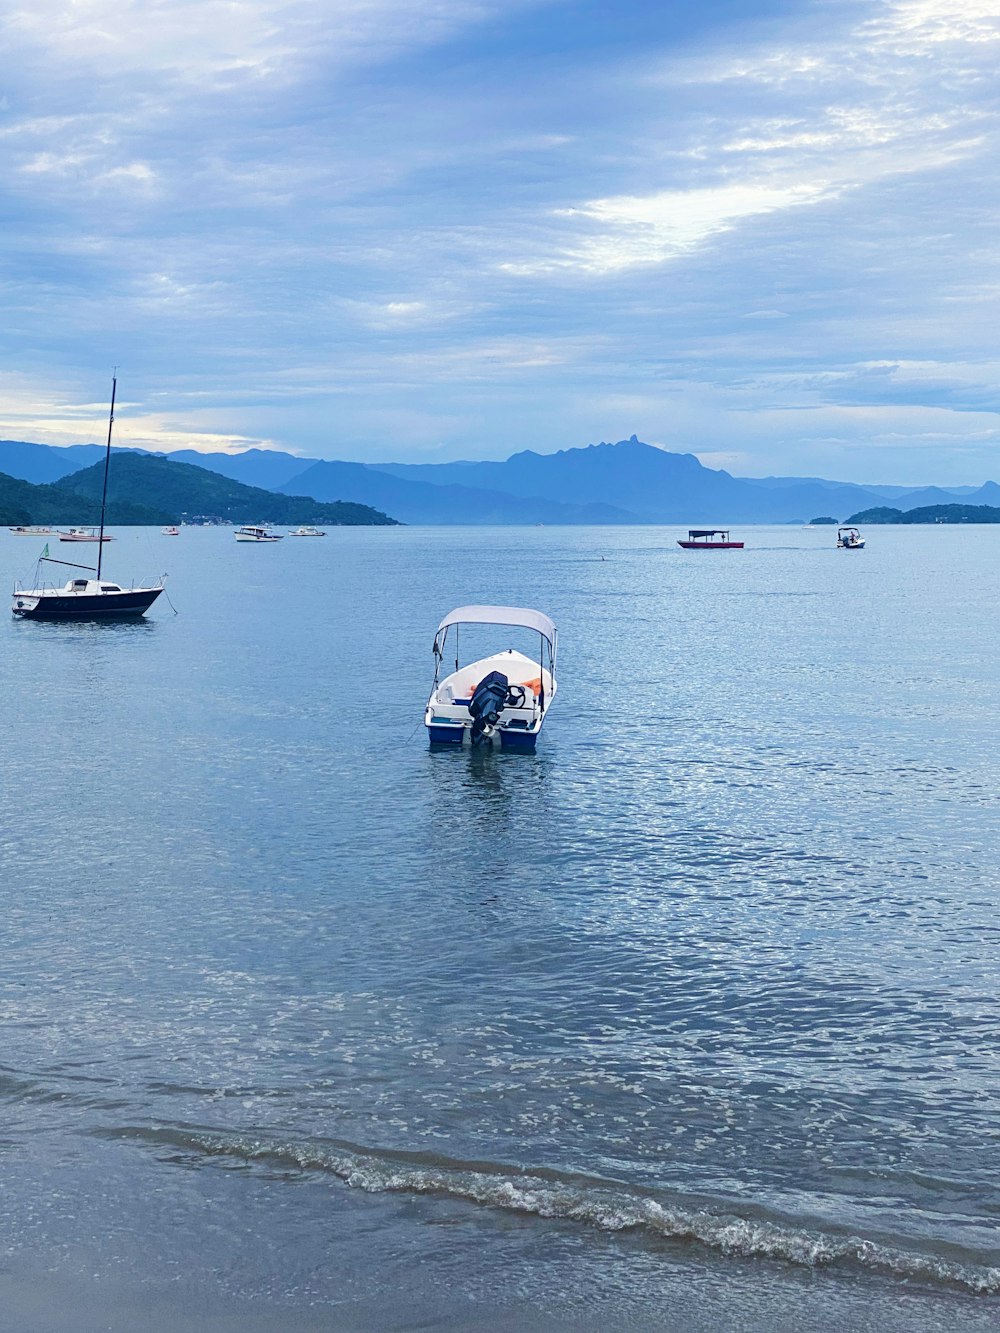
(626, 482)
(149, 489)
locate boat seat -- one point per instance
(446, 695)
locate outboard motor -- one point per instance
(486, 705)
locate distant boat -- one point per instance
(85, 535)
(503, 698)
(170, 532)
(709, 539)
(307, 532)
(850, 539)
(84, 598)
(252, 534)
(31, 532)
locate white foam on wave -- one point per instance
(592, 1202)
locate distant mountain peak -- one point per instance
(623, 481)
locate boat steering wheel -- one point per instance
(516, 696)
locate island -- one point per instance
(929, 514)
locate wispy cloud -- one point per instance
(712, 238)
(633, 230)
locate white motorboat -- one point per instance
(850, 539)
(170, 531)
(84, 535)
(502, 699)
(307, 532)
(252, 534)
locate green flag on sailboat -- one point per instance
(45, 553)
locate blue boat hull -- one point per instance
(522, 741)
(445, 735)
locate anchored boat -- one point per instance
(252, 534)
(500, 700)
(84, 535)
(709, 539)
(84, 598)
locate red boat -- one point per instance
(709, 539)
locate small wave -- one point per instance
(587, 1200)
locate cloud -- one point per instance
(317, 224)
(68, 421)
(869, 109)
(638, 230)
(913, 27)
(223, 40)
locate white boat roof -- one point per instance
(501, 615)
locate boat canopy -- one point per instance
(708, 532)
(501, 615)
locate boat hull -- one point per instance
(521, 741)
(711, 546)
(438, 735)
(100, 606)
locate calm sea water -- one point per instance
(689, 1020)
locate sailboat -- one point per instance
(85, 598)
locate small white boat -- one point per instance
(850, 539)
(84, 535)
(31, 532)
(307, 532)
(170, 532)
(252, 534)
(502, 699)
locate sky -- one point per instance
(759, 231)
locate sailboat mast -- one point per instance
(107, 464)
